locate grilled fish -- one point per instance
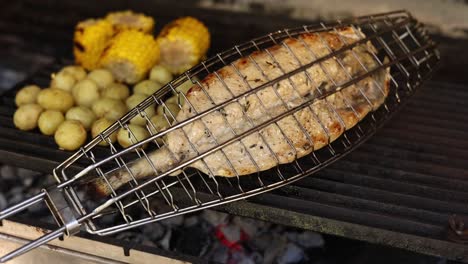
(291, 137)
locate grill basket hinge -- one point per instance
(57, 202)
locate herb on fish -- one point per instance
(246, 106)
(223, 111)
(271, 64)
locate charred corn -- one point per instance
(130, 55)
(183, 43)
(125, 20)
(90, 38)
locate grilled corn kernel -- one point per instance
(125, 20)
(130, 55)
(90, 38)
(183, 43)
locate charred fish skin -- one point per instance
(291, 137)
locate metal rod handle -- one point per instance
(23, 205)
(33, 244)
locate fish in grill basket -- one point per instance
(293, 136)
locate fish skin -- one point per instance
(291, 137)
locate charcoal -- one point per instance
(3, 202)
(248, 225)
(195, 244)
(291, 254)
(219, 253)
(214, 218)
(173, 221)
(165, 241)
(8, 173)
(191, 221)
(310, 239)
(154, 231)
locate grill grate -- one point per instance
(407, 188)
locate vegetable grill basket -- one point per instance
(402, 47)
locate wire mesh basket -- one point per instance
(256, 117)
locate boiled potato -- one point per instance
(63, 80)
(173, 100)
(146, 87)
(176, 99)
(27, 95)
(139, 119)
(173, 108)
(76, 71)
(70, 135)
(85, 92)
(160, 74)
(49, 121)
(158, 124)
(55, 99)
(109, 108)
(134, 100)
(82, 114)
(116, 91)
(101, 77)
(26, 116)
(126, 139)
(101, 125)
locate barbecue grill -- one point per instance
(325, 195)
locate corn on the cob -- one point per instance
(90, 38)
(183, 43)
(130, 55)
(125, 20)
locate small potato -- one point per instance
(173, 108)
(176, 99)
(82, 114)
(111, 109)
(173, 100)
(55, 99)
(101, 125)
(26, 116)
(76, 71)
(70, 135)
(134, 100)
(116, 91)
(140, 119)
(127, 138)
(63, 80)
(49, 121)
(158, 124)
(147, 87)
(27, 95)
(101, 77)
(160, 74)
(85, 92)
(185, 87)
